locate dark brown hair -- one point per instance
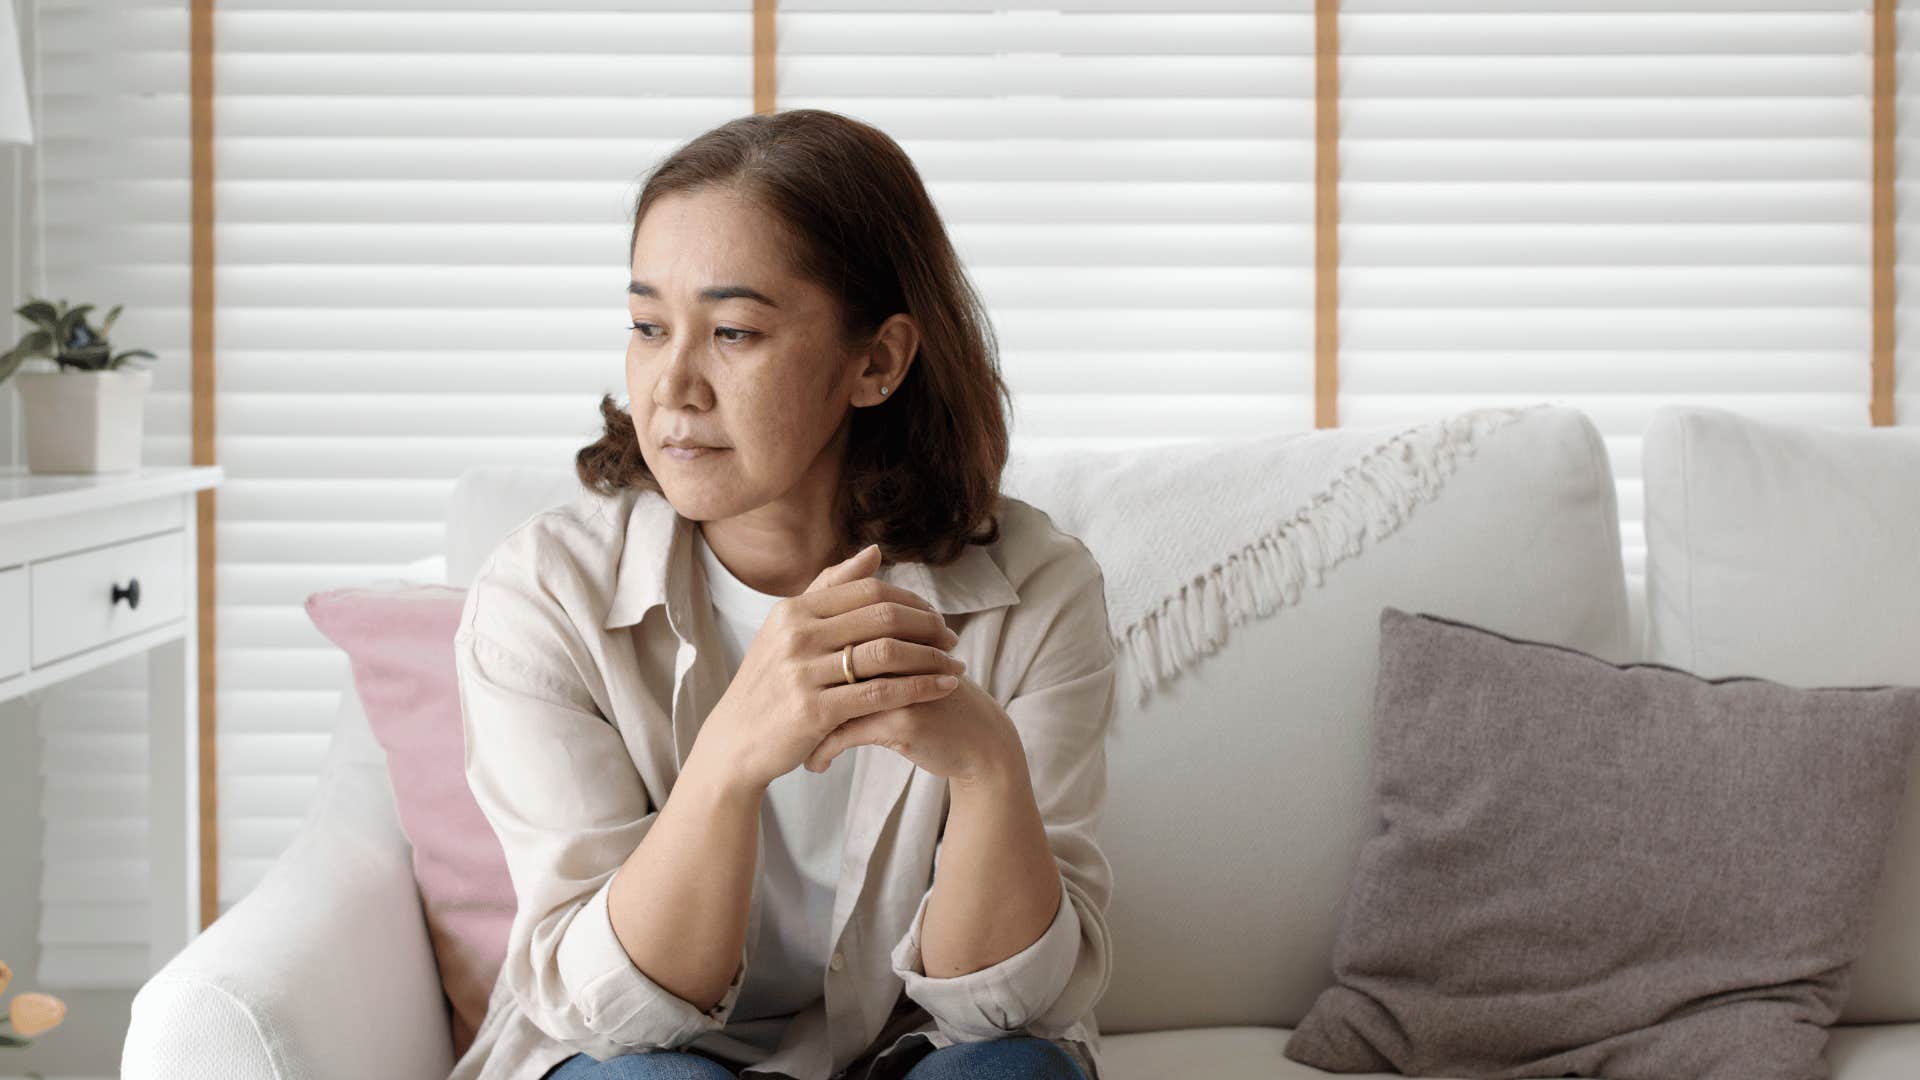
(922, 473)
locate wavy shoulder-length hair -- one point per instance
(922, 472)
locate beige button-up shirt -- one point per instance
(588, 656)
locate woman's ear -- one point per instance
(888, 359)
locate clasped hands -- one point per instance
(790, 704)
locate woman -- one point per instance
(704, 702)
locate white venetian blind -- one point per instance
(110, 82)
(421, 267)
(1616, 205)
(1130, 185)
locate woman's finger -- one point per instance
(854, 567)
(887, 656)
(857, 732)
(844, 702)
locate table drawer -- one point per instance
(13, 621)
(74, 607)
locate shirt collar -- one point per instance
(646, 577)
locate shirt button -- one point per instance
(837, 962)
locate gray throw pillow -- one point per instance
(1598, 869)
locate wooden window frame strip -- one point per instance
(1326, 213)
(764, 55)
(202, 397)
(1885, 298)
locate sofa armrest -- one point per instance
(325, 969)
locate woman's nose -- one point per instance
(680, 383)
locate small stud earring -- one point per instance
(883, 391)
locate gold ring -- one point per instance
(846, 662)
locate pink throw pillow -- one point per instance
(399, 641)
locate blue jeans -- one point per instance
(1020, 1057)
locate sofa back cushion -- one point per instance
(1238, 792)
(490, 501)
(399, 644)
(1791, 552)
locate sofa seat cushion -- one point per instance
(1854, 1052)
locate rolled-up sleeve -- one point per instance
(1001, 998)
(555, 780)
(1063, 712)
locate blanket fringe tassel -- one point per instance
(1369, 499)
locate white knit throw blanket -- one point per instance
(1195, 538)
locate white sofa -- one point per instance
(1238, 796)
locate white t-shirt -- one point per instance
(802, 823)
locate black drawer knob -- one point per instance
(131, 591)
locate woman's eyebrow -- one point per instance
(710, 293)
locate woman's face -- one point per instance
(732, 350)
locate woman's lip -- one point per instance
(689, 453)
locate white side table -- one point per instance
(93, 569)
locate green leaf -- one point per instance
(10, 362)
(14, 1040)
(108, 325)
(130, 354)
(40, 313)
(37, 343)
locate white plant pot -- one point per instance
(84, 421)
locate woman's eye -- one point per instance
(642, 327)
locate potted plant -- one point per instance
(85, 415)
